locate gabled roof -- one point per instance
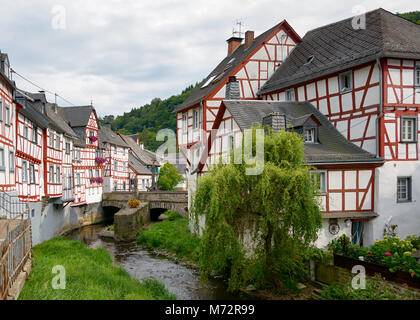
(78, 116)
(229, 64)
(339, 46)
(137, 166)
(30, 111)
(333, 147)
(145, 156)
(106, 135)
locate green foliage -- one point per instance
(345, 247)
(391, 252)
(169, 177)
(278, 208)
(395, 254)
(147, 120)
(111, 228)
(413, 16)
(376, 289)
(90, 275)
(173, 215)
(172, 236)
(415, 240)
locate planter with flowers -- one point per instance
(93, 139)
(97, 180)
(134, 203)
(100, 161)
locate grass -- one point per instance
(90, 275)
(174, 237)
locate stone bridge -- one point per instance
(157, 200)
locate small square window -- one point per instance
(319, 178)
(404, 189)
(309, 135)
(417, 77)
(290, 95)
(346, 82)
(408, 129)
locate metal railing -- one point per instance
(15, 240)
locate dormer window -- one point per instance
(346, 82)
(309, 135)
(290, 95)
(417, 77)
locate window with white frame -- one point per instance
(79, 179)
(115, 149)
(51, 139)
(417, 76)
(35, 135)
(290, 95)
(309, 135)
(7, 116)
(58, 173)
(2, 165)
(32, 175)
(67, 147)
(25, 132)
(346, 82)
(51, 174)
(404, 189)
(58, 143)
(319, 178)
(24, 172)
(115, 166)
(408, 129)
(184, 122)
(90, 173)
(1, 110)
(231, 142)
(196, 119)
(11, 161)
(98, 173)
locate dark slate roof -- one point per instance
(145, 156)
(78, 116)
(333, 147)
(136, 164)
(106, 135)
(339, 46)
(227, 65)
(30, 111)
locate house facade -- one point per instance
(369, 90)
(252, 63)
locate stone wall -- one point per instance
(128, 221)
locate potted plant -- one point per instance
(134, 203)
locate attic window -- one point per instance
(207, 83)
(346, 82)
(218, 77)
(290, 95)
(310, 59)
(309, 135)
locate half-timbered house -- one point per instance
(7, 126)
(252, 63)
(366, 81)
(88, 165)
(345, 172)
(116, 175)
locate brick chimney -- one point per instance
(275, 120)
(232, 89)
(249, 38)
(233, 43)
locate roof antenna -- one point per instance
(237, 28)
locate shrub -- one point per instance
(415, 240)
(173, 215)
(134, 203)
(169, 177)
(345, 247)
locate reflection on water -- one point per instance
(140, 263)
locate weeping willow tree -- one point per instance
(277, 210)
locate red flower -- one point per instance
(388, 254)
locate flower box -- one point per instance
(373, 268)
(100, 160)
(93, 139)
(96, 180)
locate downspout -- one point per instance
(381, 94)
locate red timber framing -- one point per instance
(401, 99)
(28, 159)
(117, 170)
(53, 163)
(354, 112)
(7, 135)
(251, 73)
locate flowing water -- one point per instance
(141, 264)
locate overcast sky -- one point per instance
(122, 54)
